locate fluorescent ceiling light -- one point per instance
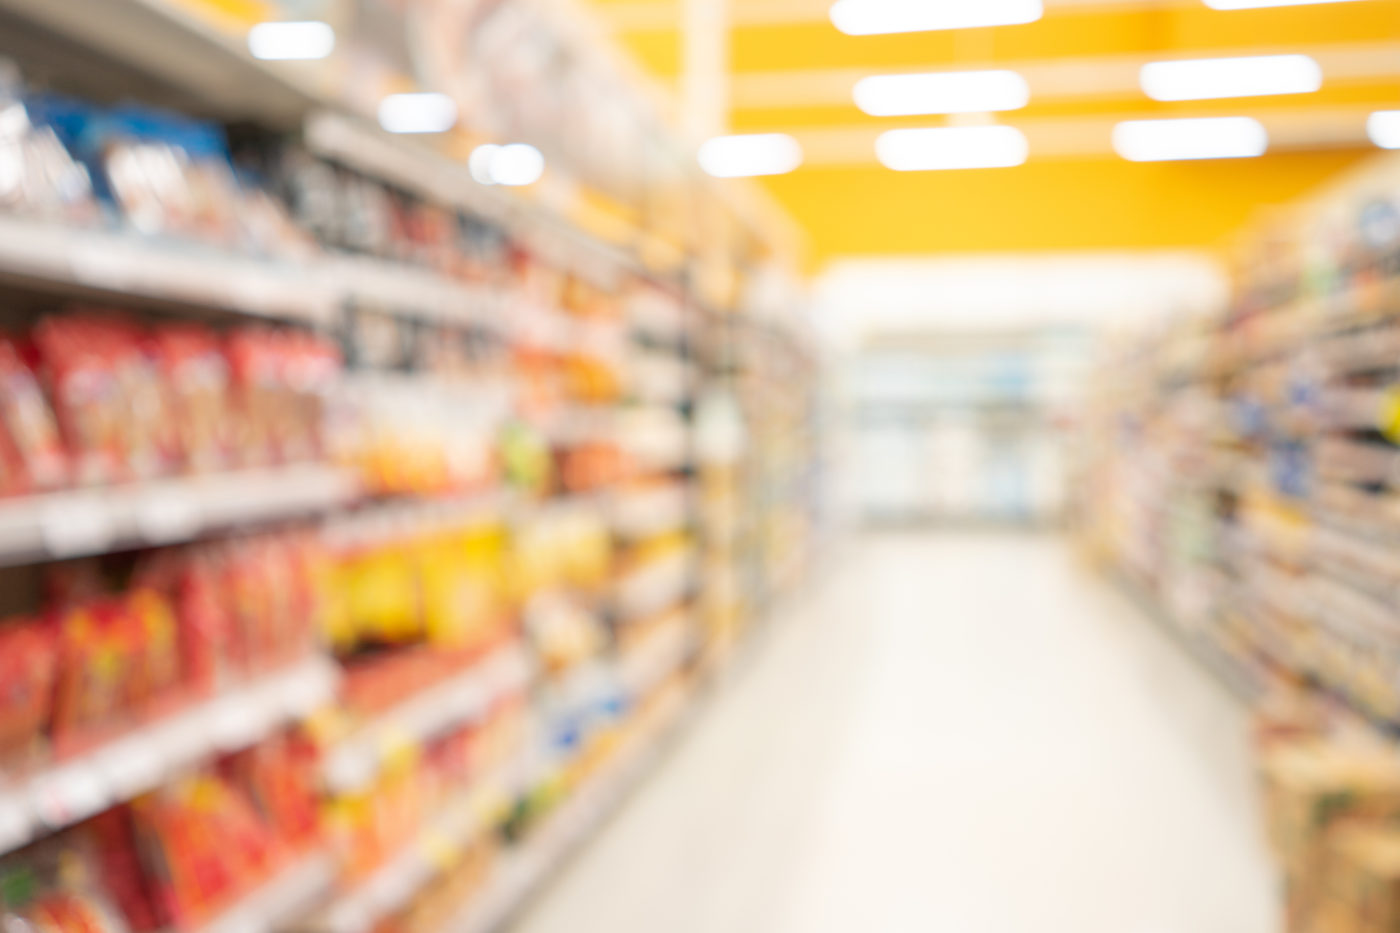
(479, 163)
(516, 165)
(1253, 76)
(1199, 138)
(1256, 4)
(303, 41)
(946, 92)
(877, 17)
(417, 113)
(745, 156)
(923, 150)
(1383, 127)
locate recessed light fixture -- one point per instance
(1383, 127)
(747, 156)
(879, 17)
(954, 147)
(943, 92)
(417, 113)
(1196, 138)
(1256, 4)
(297, 41)
(1212, 78)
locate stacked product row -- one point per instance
(347, 550)
(1242, 471)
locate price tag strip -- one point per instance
(84, 522)
(459, 700)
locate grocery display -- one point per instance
(1237, 473)
(348, 519)
(1254, 502)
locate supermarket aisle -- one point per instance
(963, 733)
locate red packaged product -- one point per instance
(197, 379)
(191, 581)
(257, 396)
(204, 845)
(31, 451)
(120, 868)
(28, 664)
(278, 776)
(117, 656)
(107, 395)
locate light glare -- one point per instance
(747, 156)
(1383, 127)
(880, 17)
(479, 163)
(300, 41)
(1214, 78)
(946, 92)
(1197, 138)
(417, 113)
(962, 147)
(516, 165)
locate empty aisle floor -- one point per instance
(967, 733)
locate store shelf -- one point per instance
(523, 871)
(646, 512)
(99, 520)
(660, 655)
(71, 791)
(276, 902)
(62, 259)
(394, 286)
(170, 42)
(360, 145)
(355, 762)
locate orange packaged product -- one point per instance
(28, 664)
(204, 845)
(97, 659)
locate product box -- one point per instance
(1313, 790)
(1361, 888)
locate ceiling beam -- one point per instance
(1103, 76)
(1299, 129)
(660, 15)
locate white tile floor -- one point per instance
(962, 733)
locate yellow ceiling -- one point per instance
(791, 72)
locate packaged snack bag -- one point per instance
(97, 664)
(31, 450)
(58, 886)
(196, 376)
(28, 664)
(254, 371)
(155, 635)
(191, 582)
(203, 844)
(83, 376)
(278, 775)
(119, 861)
